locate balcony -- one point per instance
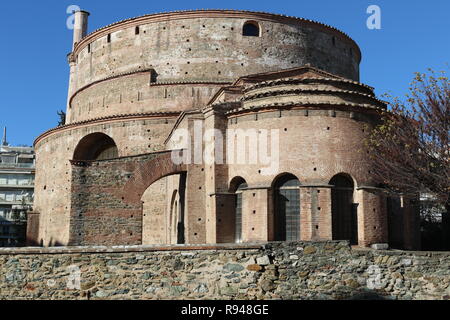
(13, 222)
(15, 202)
(17, 165)
(18, 186)
(13, 218)
(9, 236)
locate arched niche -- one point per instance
(96, 146)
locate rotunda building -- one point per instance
(275, 100)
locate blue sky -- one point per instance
(34, 72)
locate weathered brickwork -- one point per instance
(136, 83)
(107, 204)
(154, 222)
(298, 270)
(55, 151)
(187, 46)
(134, 93)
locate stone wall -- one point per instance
(301, 270)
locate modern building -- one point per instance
(17, 170)
(108, 176)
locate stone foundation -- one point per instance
(300, 270)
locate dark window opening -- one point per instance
(96, 146)
(153, 76)
(251, 29)
(108, 38)
(136, 30)
(343, 210)
(287, 208)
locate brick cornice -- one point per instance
(120, 75)
(190, 82)
(301, 91)
(307, 106)
(306, 80)
(114, 118)
(88, 163)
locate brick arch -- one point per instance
(282, 176)
(344, 175)
(146, 173)
(235, 183)
(106, 206)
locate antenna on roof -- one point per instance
(4, 142)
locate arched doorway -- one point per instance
(163, 211)
(343, 210)
(96, 146)
(286, 208)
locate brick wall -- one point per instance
(54, 172)
(107, 204)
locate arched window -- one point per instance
(231, 219)
(251, 29)
(96, 146)
(238, 212)
(343, 210)
(286, 195)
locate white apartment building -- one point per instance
(17, 170)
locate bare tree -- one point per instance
(410, 149)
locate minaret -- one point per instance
(4, 142)
(80, 30)
(80, 26)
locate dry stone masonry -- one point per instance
(289, 270)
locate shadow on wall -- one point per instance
(367, 294)
(433, 236)
(434, 226)
(54, 243)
